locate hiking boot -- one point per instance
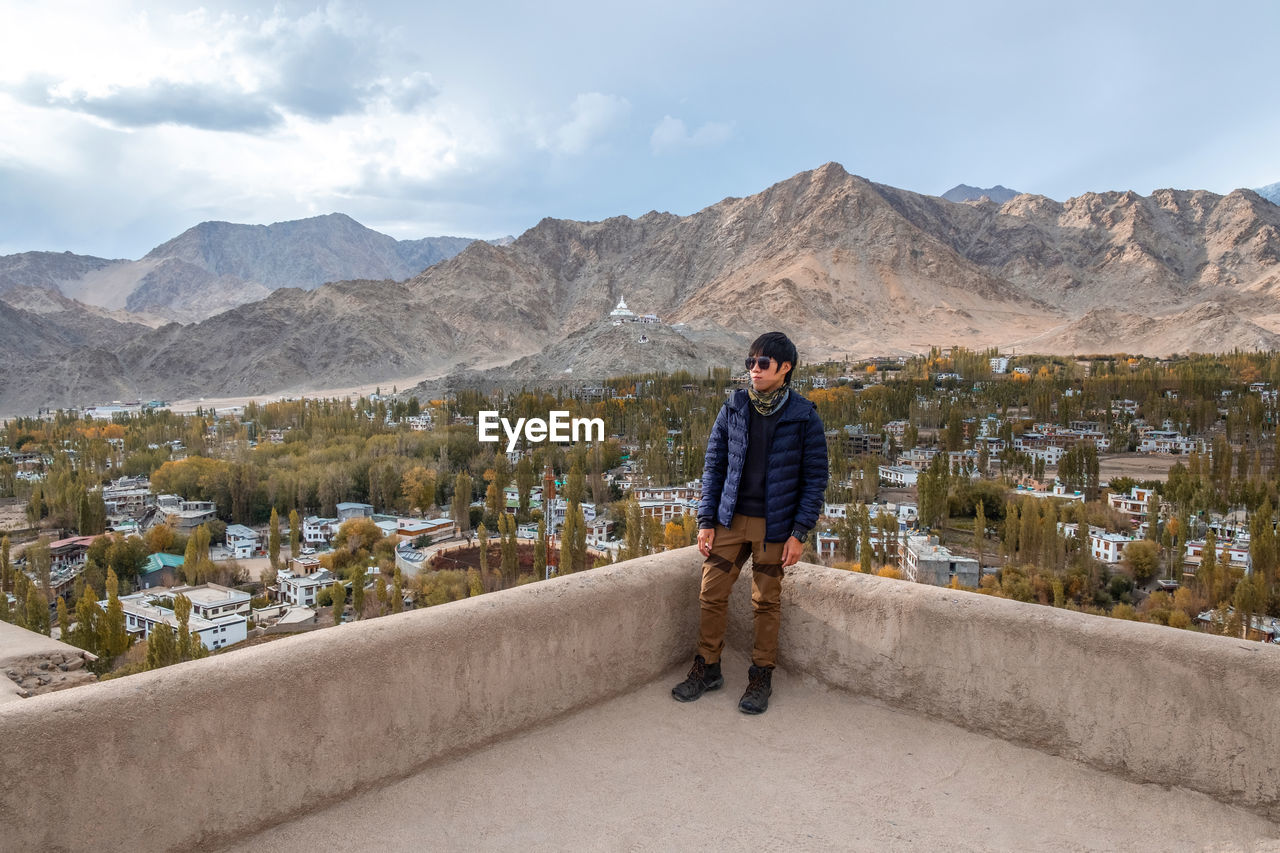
(702, 677)
(759, 687)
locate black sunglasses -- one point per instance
(763, 360)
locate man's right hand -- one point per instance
(706, 538)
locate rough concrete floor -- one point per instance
(820, 770)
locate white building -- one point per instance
(147, 610)
(1133, 504)
(901, 476)
(243, 542)
(318, 531)
(925, 561)
(303, 589)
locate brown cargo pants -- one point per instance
(732, 546)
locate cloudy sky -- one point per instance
(123, 123)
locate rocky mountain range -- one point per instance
(1271, 192)
(215, 266)
(964, 192)
(846, 266)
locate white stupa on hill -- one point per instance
(623, 314)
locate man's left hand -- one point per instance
(791, 551)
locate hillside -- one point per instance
(846, 266)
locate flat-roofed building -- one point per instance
(925, 561)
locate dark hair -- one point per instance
(779, 348)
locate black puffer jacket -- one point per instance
(797, 477)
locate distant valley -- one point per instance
(847, 266)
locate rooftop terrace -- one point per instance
(539, 718)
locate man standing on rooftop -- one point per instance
(763, 482)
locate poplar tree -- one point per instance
(37, 610)
(6, 568)
(864, 544)
(1208, 574)
(295, 534)
(568, 539)
(356, 574)
(510, 548)
(635, 530)
(540, 551)
(580, 541)
(113, 639)
(1009, 540)
(482, 539)
(462, 504)
(339, 597)
(64, 621)
(524, 484)
(273, 539)
(1262, 542)
(161, 648)
(88, 615)
(182, 611)
(979, 530)
(397, 591)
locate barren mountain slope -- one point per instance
(340, 333)
(822, 256)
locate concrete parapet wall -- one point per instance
(208, 751)
(204, 752)
(1148, 702)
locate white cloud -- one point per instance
(671, 135)
(217, 72)
(594, 115)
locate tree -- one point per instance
(295, 533)
(524, 484)
(273, 539)
(510, 548)
(579, 540)
(482, 540)
(182, 611)
(1153, 517)
(1262, 542)
(493, 502)
(462, 504)
(64, 621)
(1250, 600)
(40, 565)
(540, 551)
(1143, 558)
(397, 591)
(356, 574)
(6, 568)
(37, 610)
(88, 616)
(674, 535)
(568, 538)
(979, 530)
(113, 639)
(161, 648)
(864, 543)
(338, 596)
(197, 566)
(635, 530)
(1207, 576)
(419, 487)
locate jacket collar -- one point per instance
(795, 409)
